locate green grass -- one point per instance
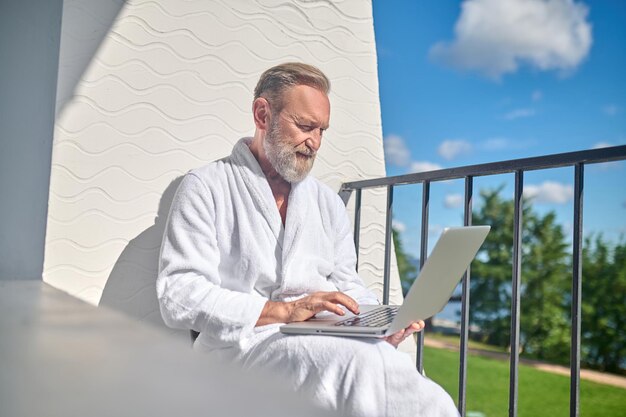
(540, 393)
(454, 340)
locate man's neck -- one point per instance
(279, 186)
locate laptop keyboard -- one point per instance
(375, 318)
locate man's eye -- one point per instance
(305, 128)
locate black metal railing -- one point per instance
(518, 167)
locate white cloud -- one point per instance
(396, 151)
(495, 37)
(434, 232)
(398, 226)
(537, 95)
(606, 166)
(435, 229)
(519, 113)
(601, 145)
(503, 143)
(549, 192)
(611, 109)
(450, 149)
(496, 144)
(453, 200)
(424, 166)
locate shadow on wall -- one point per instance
(131, 287)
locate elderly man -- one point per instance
(252, 241)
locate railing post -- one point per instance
(388, 234)
(357, 224)
(515, 291)
(465, 301)
(574, 401)
(423, 255)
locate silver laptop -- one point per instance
(428, 295)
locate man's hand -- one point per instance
(306, 307)
(396, 338)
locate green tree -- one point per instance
(604, 305)
(544, 305)
(491, 272)
(546, 285)
(406, 264)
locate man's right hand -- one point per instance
(306, 307)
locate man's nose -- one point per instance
(314, 141)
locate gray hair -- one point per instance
(276, 80)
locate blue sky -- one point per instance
(488, 80)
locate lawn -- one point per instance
(540, 393)
(454, 340)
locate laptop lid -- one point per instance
(440, 274)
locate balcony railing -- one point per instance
(518, 167)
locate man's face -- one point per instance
(295, 134)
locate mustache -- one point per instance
(305, 150)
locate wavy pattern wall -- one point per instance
(151, 89)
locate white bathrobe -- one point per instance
(225, 252)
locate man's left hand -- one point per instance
(396, 338)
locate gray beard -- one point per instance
(283, 157)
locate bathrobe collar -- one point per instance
(259, 188)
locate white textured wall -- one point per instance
(150, 89)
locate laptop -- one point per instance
(428, 295)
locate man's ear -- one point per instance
(261, 112)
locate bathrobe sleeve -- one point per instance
(344, 274)
(188, 285)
